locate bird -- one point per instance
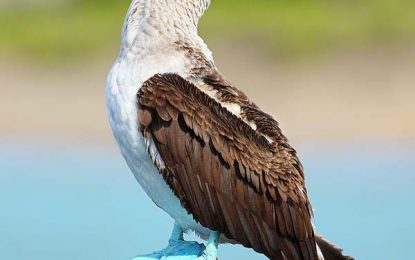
(199, 147)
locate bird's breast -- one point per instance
(123, 83)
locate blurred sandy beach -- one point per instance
(354, 94)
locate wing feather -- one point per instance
(228, 175)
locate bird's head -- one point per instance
(162, 17)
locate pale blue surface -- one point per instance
(77, 202)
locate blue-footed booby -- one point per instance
(198, 146)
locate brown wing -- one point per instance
(229, 176)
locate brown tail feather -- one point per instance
(330, 251)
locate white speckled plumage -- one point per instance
(150, 30)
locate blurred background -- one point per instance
(338, 75)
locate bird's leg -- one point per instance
(211, 251)
(176, 234)
(185, 250)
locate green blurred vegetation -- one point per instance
(287, 27)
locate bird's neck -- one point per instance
(162, 20)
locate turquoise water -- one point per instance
(80, 202)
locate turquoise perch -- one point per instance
(179, 249)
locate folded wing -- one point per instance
(228, 172)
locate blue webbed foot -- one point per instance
(179, 249)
